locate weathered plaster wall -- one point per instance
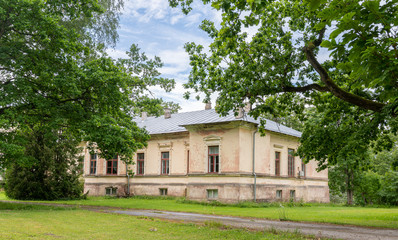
(234, 182)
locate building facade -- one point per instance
(203, 156)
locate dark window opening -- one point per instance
(163, 191)
(111, 166)
(292, 194)
(165, 162)
(290, 160)
(93, 163)
(279, 194)
(140, 163)
(110, 191)
(277, 163)
(214, 159)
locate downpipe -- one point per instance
(254, 166)
(128, 181)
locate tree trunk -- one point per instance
(349, 196)
(350, 191)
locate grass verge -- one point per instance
(386, 217)
(43, 223)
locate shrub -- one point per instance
(54, 169)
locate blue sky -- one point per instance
(162, 31)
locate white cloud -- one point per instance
(146, 10)
(116, 53)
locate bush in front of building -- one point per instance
(53, 170)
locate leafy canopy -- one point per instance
(54, 72)
(338, 57)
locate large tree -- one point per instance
(54, 71)
(283, 56)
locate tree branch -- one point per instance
(332, 86)
(306, 88)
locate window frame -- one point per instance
(165, 164)
(163, 191)
(212, 194)
(278, 194)
(290, 162)
(113, 191)
(140, 164)
(292, 194)
(93, 164)
(303, 168)
(114, 164)
(216, 156)
(277, 163)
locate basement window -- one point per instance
(278, 194)
(110, 191)
(292, 194)
(163, 191)
(212, 194)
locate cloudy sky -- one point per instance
(162, 31)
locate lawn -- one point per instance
(41, 222)
(324, 213)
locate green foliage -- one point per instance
(54, 170)
(389, 188)
(368, 187)
(331, 64)
(54, 71)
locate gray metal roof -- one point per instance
(177, 121)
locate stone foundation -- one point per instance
(228, 190)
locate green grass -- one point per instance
(324, 213)
(42, 222)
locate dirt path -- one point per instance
(317, 229)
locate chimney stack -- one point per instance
(144, 116)
(208, 105)
(167, 113)
(240, 113)
(247, 107)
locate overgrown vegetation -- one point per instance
(50, 168)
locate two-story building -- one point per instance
(203, 156)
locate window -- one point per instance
(303, 168)
(163, 191)
(277, 163)
(292, 194)
(212, 193)
(110, 191)
(111, 166)
(140, 163)
(214, 159)
(279, 194)
(93, 163)
(290, 160)
(165, 163)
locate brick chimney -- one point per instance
(144, 116)
(208, 106)
(247, 107)
(167, 113)
(240, 113)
